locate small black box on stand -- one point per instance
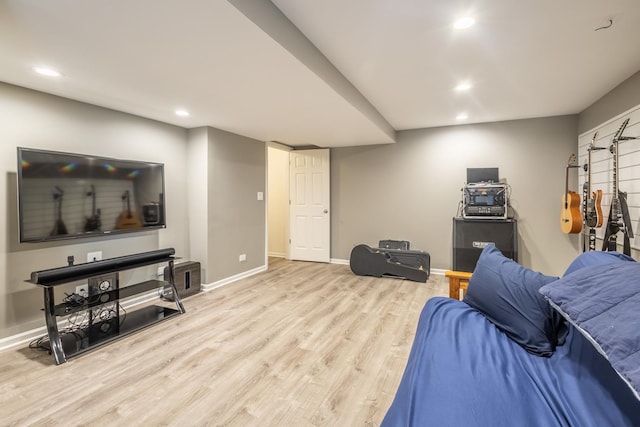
(186, 277)
(394, 244)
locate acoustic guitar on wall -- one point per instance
(570, 217)
(127, 218)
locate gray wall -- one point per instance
(33, 119)
(237, 219)
(622, 98)
(411, 190)
(227, 219)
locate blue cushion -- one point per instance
(602, 302)
(507, 294)
(587, 259)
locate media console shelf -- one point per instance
(101, 316)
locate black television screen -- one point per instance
(476, 175)
(65, 195)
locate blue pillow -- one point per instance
(507, 294)
(602, 302)
(587, 259)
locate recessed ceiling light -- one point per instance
(182, 113)
(463, 86)
(463, 23)
(462, 116)
(46, 71)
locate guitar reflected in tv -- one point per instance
(93, 222)
(127, 218)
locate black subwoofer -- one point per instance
(186, 277)
(471, 236)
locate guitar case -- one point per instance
(378, 262)
(394, 244)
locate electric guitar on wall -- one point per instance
(619, 219)
(592, 199)
(570, 217)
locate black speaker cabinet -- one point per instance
(470, 236)
(186, 276)
(104, 319)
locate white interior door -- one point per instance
(310, 225)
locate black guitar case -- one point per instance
(378, 262)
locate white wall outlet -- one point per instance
(83, 290)
(94, 256)
(260, 195)
(242, 257)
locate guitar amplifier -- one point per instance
(470, 236)
(151, 213)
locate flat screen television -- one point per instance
(66, 195)
(477, 175)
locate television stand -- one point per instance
(101, 317)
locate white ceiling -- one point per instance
(345, 73)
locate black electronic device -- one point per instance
(151, 213)
(53, 188)
(485, 201)
(479, 175)
(186, 276)
(394, 244)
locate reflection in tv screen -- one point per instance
(65, 195)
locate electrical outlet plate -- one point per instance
(94, 256)
(83, 290)
(242, 257)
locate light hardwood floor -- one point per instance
(303, 344)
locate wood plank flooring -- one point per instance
(302, 344)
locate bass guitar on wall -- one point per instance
(570, 216)
(591, 200)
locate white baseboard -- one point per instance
(228, 280)
(22, 338)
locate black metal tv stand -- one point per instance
(99, 318)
